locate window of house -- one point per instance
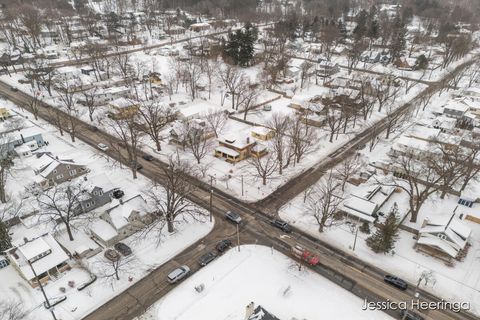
(442, 236)
(55, 171)
(60, 176)
(68, 166)
(73, 172)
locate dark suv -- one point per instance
(282, 225)
(396, 282)
(206, 258)
(410, 315)
(123, 248)
(223, 245)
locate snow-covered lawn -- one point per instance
(267, 278)
(148, 253)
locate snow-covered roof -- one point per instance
(359, 207)
(103, 230)
(456, 105)
(422, 132)
(261, 130)
(121, 103)
(236, 142)
(121, 212)
(439, 243)
(101, 181)
(35, 247)
(81, 242)
(227, 151)
(455, 230)
(198, 107)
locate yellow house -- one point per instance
(122, 108)
(262, 133)
(234, 149)
(4, 114)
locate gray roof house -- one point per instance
(51, 170)
(97, 194)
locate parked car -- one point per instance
(102, 146)
(234, 217)
(13, 89)
(206, 258)
(178, 274)
(148, 157)
(112, 255)
(267, 107)
(138, 165)
(117, 193)
(223, 245)
(123, 248)
(282, 225)
(410, 315)
(396, 282)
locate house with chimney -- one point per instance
(52, 170)
(127, 216)
(445, 237)
(30, 137)
(234, 149)
(39, 259)
(258, 313)
(98, 192)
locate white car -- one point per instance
(102, 146)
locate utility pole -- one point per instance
(211, 197)
(355, 240)
(41, 289)
(242, 185)
(238, 239)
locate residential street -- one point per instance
(354, 275)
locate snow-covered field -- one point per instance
(267, 278)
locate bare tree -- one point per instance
(155, 117)
(89, 97)
(192, 74)
(394, 119)
(127, 137)
(247, 100)
(67, 97)
(235, 82)
(324, 201)
(367, 102)
(305, 72)
(265, 166)
(110, 270)
(301, 137)
(58, 204)
(216, 121)
(280, 123)
(170, 199)
(12, 310)
(385, 90)
(196, 139)
(6, 164)
(416, 179)
(347, 169)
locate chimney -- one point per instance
(425, 222)
(23, 139)
(248, 140)
(120, 200)
(249, 310)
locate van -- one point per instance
(178, 274)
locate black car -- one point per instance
(13, 89)
(223, 245)
(410, 315)
(123, 249)
(117, 193)
(282, 225)
(396, 282)
(206, 258)
(148, 157)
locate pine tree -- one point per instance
(384, 238)
(4, 237)
(240, 47)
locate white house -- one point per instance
(444, 237)
(43, 254)
(360, 208)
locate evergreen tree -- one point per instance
(240, 47)
(383, 240)
(4, 237)
(421, 63)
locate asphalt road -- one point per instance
(354, 275)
